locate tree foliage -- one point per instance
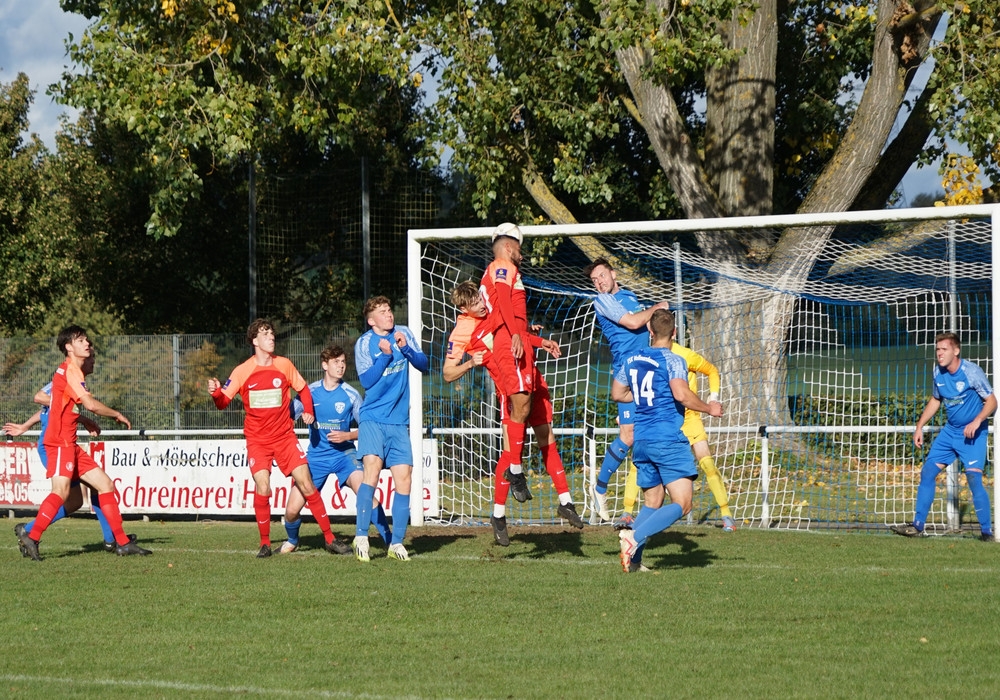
(206, 83)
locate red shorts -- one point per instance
(541, 404)
(286, 452)
(70, 461)
(513, 376)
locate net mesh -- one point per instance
(830, 347)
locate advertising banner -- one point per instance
(188, 477)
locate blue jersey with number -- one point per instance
(658, 415)
(384, 377)
(334, 409)
(962, 393)
(610, 308)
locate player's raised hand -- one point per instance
(400, 339)
(477, 358)
(552, 347)
(213, 385)
(385, 347)
(715, 409)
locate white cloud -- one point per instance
(32, 41)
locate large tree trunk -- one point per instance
(739, 116)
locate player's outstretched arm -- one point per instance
(95, 406)
(682, 392)
(15, 429)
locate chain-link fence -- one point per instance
(159, 381)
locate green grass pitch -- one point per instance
(755, 614)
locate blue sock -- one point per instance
(106, 532)
(613, 459)
(60, 514)
(381, 523)
(658, 521)
(644, 512)
(292, 529)
(981, 501)
(400, 517)
(925, 493)
(365, 495)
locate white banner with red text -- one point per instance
(189, 477)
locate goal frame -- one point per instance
(417, 237)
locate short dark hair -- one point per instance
(330, 352)
(258, 325)
(67, 335)
(948, 335)
(589, 269)
(375, 302)
(662, 323)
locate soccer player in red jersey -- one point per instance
(264, 382)
(473, 335)
(503, 294)
(66, 460)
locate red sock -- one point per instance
(501, 487)
(515, 438)
(554, 466)
(109, 506)
(50, 506)
(316, 507)
(262, 510)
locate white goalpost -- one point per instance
(825, 351)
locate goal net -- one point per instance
(825, 347)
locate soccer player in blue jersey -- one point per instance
(75, 498)
(623, 322)
(655, 380)
(382, 356)
(331, 444)
(968, 399)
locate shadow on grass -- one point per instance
(546, 543)
(690, 556)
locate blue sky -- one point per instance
(32, 40)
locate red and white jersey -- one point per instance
(499, 274)
(266, 395)
(68, 390)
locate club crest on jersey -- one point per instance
(960, 386)
(501, 273)
(276, 382)
(340, 406)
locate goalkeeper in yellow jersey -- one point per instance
(694, 431)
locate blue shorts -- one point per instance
(662, 463)
(951, 444)
(390, 443)
(339, 464)
(626, 413)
